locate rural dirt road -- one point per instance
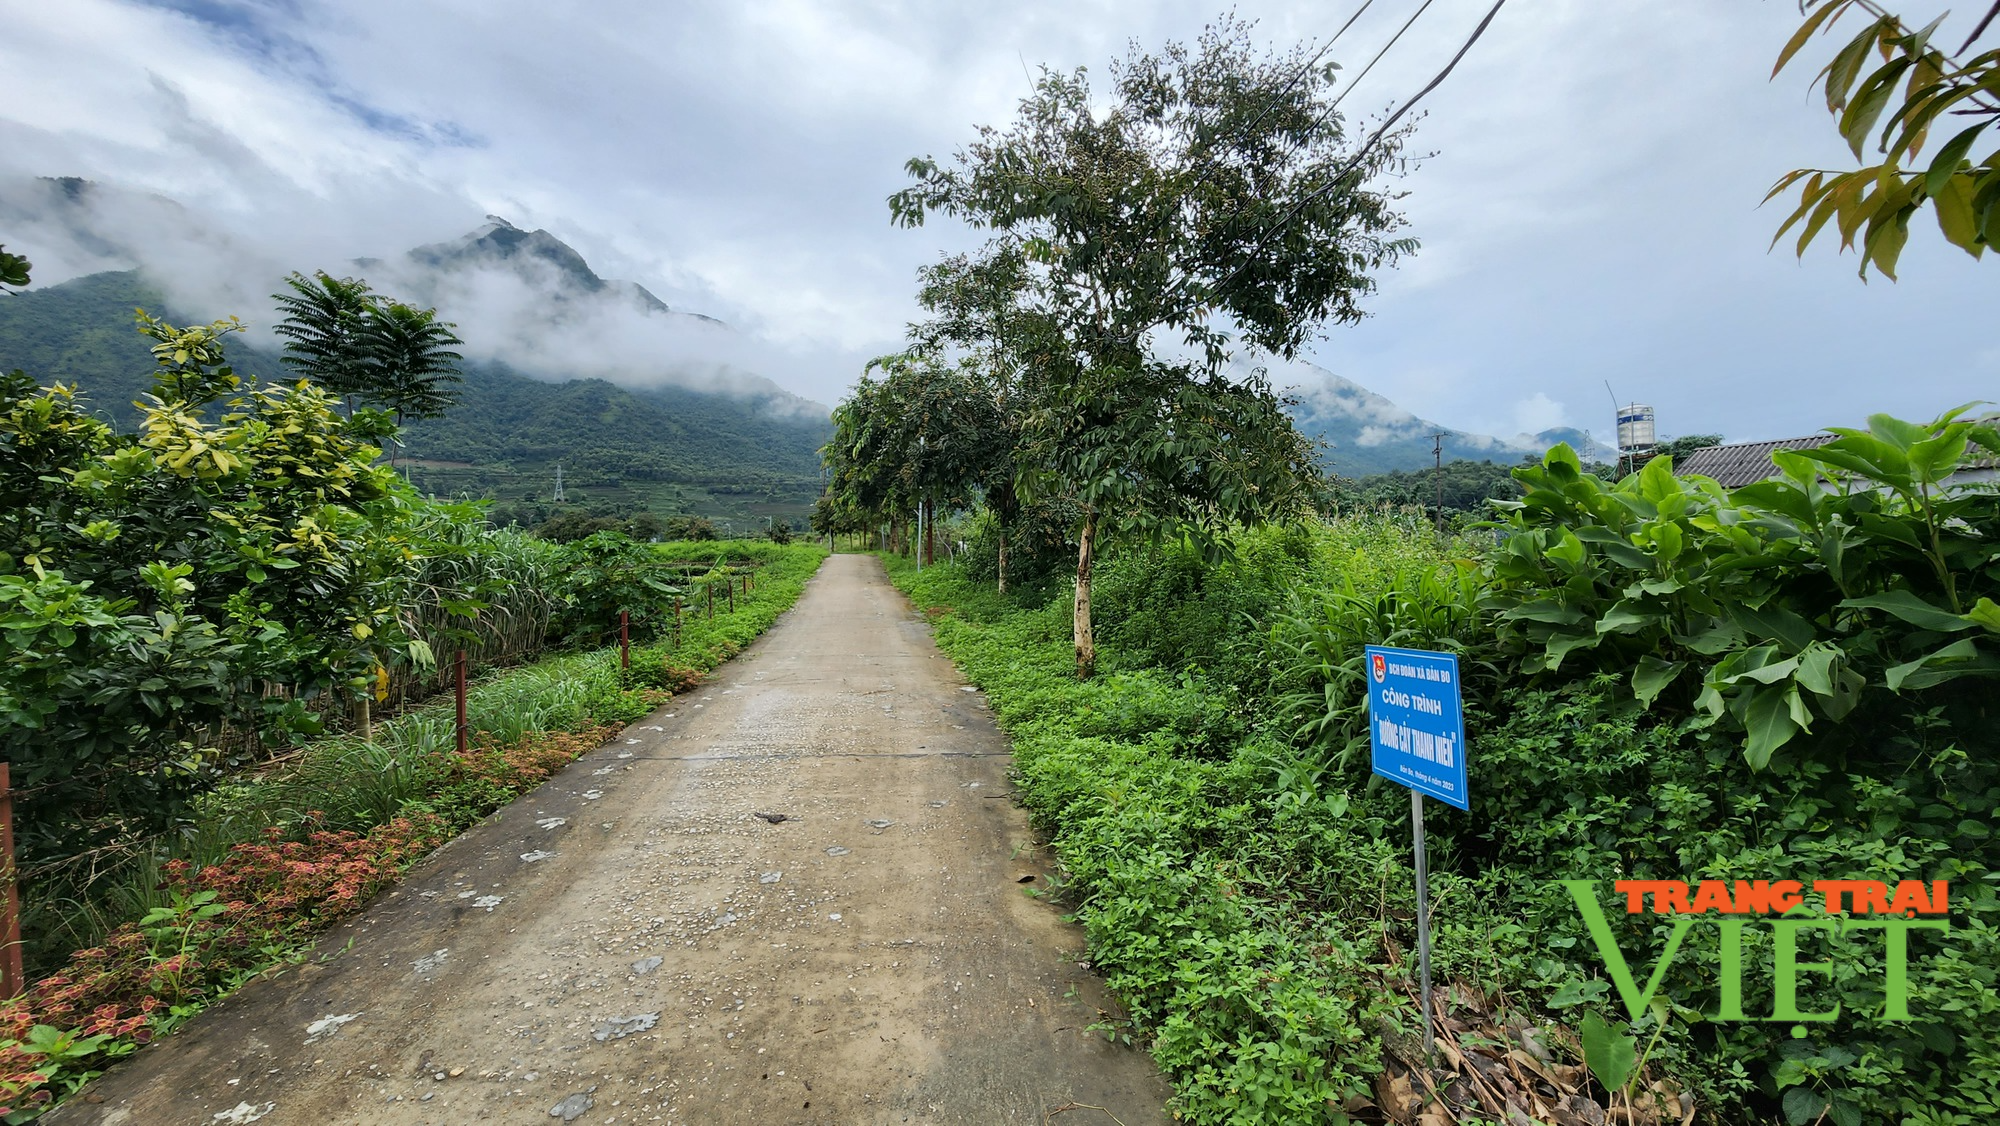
(632, 943)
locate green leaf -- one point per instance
(1652, 675)
(1952, 204)
(1896, 432)
(1624, 618)
(1948, 159)
(1715, 640)
(1917, 673)
(1545, 610)
(1578, 993)
(1869, 100)
(1803, 1106)
(1567, 549)
(1815, 668)
(1609, 1051)
(1887, 235)
(1560, 647)
(1986, 613)
(1771, 673)
(1812, 23)
(1768, 722)
(1846, 67)
(1909, 607)
(1778, 622)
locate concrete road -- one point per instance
(632, 943)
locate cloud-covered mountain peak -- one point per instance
(1368, 433)
(540, 257)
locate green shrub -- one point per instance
(1244, 880)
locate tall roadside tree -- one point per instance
(361, 345)
(1207, 198)
(409, 367)
(324, 319)
(977, 313)
(921, 435)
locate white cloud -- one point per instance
(1537, 413)
(1591, 212)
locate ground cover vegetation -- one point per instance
(1664, 680)
(213, 620)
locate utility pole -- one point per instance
(1437, 476)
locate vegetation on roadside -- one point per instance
(263, 863)
(210, 620)
(1664, 680)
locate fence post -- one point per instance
(460, 692)
(11, 984)
(677, 624)
(709, 588)
(625, 639)
(729, 588)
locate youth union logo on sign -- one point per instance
(1416, 724)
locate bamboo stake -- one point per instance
(460, 692)
(11, 983)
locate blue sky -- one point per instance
(1591, 213)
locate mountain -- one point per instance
(737, 458)
(538, 257)
(1367, 433)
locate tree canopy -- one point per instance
(1206, 199)
(13, 270)
(358, 343)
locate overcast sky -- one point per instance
(1591, 213)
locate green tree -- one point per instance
(977, 309)
(1678, 448)
(411, 367)
(1872, 206)
(925, 435)
(1208, 195)
(154, 585)
(324, 323)
(410, 370)
(13, 270)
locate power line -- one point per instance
(1378, 58)
(1272, 102)
(1355, 161)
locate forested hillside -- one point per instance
(669, 449)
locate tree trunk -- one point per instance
(930, 533)
(1086, 647)
(1003, 561)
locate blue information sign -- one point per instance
(1415, 721)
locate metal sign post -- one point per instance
(1416, 732)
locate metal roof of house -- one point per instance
(1743, 462)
